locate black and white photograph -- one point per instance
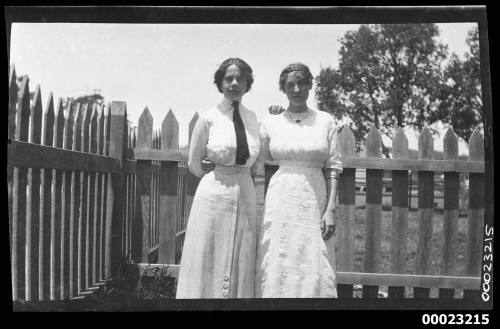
(251, 158)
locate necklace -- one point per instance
(298, 119)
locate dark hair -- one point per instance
(295, 67)
(246, 71)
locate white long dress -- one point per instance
(218, 258)
(292, 259)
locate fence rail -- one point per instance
(86, 191)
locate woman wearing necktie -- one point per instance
(218, 259)
(293, 259)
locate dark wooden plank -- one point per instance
(168, 191)
(345, 220)
(374, 185)
(414, 164)
(426, 208)
(128, 219)
(45, 209)
(344, 290)
(409, 280)
(18, 237)
(142, 239)
(410, 164)
(450, 215)
(116, 197)
(26, 155)
(399, 213)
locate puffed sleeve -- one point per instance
(265, 153)
(198, 146)
(334, 159)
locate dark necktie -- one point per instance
(242, 153)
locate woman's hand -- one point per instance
(328, 224)
(207, 165)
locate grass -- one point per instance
(129, 288)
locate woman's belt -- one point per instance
(232, 169)
(303, 164)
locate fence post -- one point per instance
(168, 191)
(345, 219)
(117, 145)
(141, 229)
(399, 212)
(450, 216)
(374, 185)
(476, 213)
(425, 209)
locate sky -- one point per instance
(171, 66)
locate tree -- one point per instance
(93, 98)
(388, 76)
(461, 102)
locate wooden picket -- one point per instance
(399, 232)
(476, 213)
(345, 219)
(373, 211)
(450, 216)
(46, 208)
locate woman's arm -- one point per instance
(264, 152)
(198, 147)
(332, 170)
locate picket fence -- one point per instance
(86, 192)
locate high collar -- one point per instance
(227, 105)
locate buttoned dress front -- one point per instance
(293, 260)
(218, 259)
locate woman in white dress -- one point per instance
(292, 258)
(218, 259)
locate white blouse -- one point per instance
(214, 137)
(314, 139)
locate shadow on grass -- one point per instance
(127, 290)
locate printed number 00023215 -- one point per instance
(459, 318)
